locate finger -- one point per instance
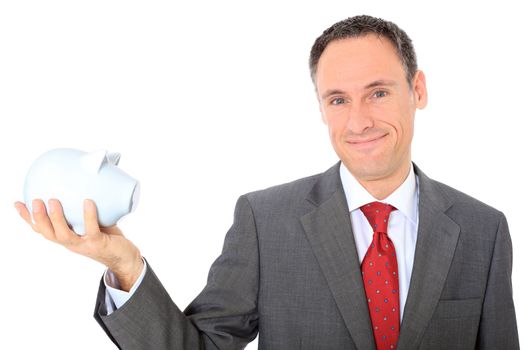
(42, 223)
(90, 218)
(112, 230)
(24, 213)
(64, 235)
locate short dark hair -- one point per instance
(359, 26)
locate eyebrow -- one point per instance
(381, 83)
(373, 84)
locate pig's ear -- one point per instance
(113, 158)
(93, 161)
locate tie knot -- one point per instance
(377, 214)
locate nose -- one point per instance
(359, 118)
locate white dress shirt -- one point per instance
(402, 224)
(116, 297)
(402, 230)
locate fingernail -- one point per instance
(88, 205)
(52, 206)
(17, 209)
(36, 207)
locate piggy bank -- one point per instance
(71, 176)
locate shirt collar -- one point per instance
(405, 198)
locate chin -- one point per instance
(368, 169)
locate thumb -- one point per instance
(90, 217)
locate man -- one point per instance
(371, 254)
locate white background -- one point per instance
(207, 100)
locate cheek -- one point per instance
(404, 132)
(336, 128)
(336, 119)
(406, 121)
(400, 119)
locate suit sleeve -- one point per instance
(498, 328)
(223, 316)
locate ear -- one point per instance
(93, 161)
(113, 158)
(420, 90)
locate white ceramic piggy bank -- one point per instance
(71, 176)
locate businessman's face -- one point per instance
(368, 106)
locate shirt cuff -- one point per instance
(115, 297)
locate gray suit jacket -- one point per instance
(289, 270)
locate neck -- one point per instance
(383, 187)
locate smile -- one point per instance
(366, 143)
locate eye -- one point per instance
(380, 93)
(337, 101)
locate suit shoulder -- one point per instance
(468, 205)
(287, 192)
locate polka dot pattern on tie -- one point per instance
(379, 270)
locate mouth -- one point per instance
(366, 144)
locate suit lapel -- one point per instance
(329, 232)
(436, 243)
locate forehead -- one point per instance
(358, 61)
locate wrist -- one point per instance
(127, 274)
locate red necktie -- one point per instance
(379, 269)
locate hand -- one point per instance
(106, 245)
